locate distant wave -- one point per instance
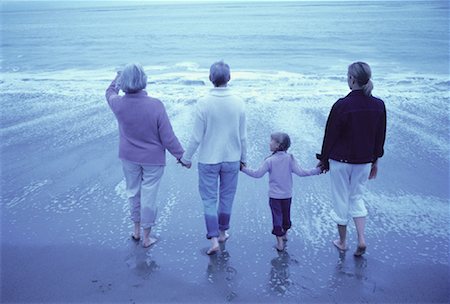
(37, 103)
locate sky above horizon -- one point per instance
(174, 1)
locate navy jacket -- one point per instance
(355, 131)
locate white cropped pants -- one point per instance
(142, 184)
(347, 190)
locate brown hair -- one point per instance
(282, 139)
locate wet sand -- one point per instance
(65, 229)
(65, 238)
(68, 273)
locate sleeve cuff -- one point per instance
(184, 160)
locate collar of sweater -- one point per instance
(137, 94)
(220, 91)
(356, 92)
(280, 153)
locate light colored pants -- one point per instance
(142, 183)
(347, 190)
(210, 176)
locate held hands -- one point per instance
(185, 164)
(373, 171)
(242, 166)
(322, 167)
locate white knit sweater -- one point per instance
(220, 131)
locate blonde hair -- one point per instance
(362, 73)
(133, 78)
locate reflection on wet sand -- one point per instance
(221, 274)
(350, 273)
(279, 278)
(354, 268)
(141, 261)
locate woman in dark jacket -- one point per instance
(353, 142)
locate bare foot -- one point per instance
(280, 244)
(212, 250)
(149, 242)
(214, 246)
(360, 250)
(339, 245)
(279, 248)
(136, 236)
(223, 237)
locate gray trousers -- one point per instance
(142, 184)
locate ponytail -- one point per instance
(362, 73)
(283, 140)
(367, 88)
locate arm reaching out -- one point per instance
(258, 172)
(302, 172)
(197, 135)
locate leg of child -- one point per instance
(286, 211)
(280, 243)
(277, 220)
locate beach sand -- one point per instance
(65, 228)
(71, 244)
(68, 273)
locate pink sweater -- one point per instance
(144, 127)
(280, 166)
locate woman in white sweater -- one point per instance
(220, 136)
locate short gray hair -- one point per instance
(133, 78)
(219, 73)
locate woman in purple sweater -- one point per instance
(280, 166)
(145, 134)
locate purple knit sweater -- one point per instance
(144, 127)
(280, 166)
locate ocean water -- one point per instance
(288, 61)
(304, 36)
